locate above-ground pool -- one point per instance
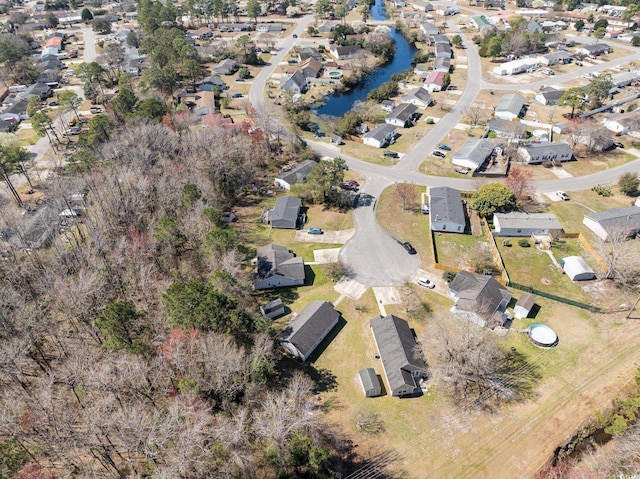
(335, 75)
(542, 335)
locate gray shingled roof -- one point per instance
(526, 301)
(446, 204)
(551, 94)
(396, 346)
(518, 219)
(548, 150)
(418, 93)
(476, 151)
(478, 293)
(286, 208)
(299, 173)
(403, 112)
(618, 218)
(274, 259)
(313, 323)
(511, 102)
(369, 379)
(381, 131)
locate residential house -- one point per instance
(211, 83)
(534, 27)
(41, 90)
(311, 68)
(203, 32)
(422, 6)
(621, 123)
(16, 112)
(269, 27)
(576, 268)
(227, 66)
(593, 50)
(51, 64)
(295, 84)
(388, 105)
(515, 67)
(7, 126)
(506, 128)
(473, 154)
(35, 230)
(613, 222)
(399, 3)
(277, 267)
(480, 298)
(436, 39)
(421, 68)
(447, 210)
(296, 175)
(370, 383)
(402, 116)
(548, 96)
(510, 106)
(381, 136)
(273, 309)
(526, 224)
(429, 29)
(133, 65)
(418, 97)
(551, 26)
(235, 27)
(443, 50)
(402, 364)
(218, 120)
(434, 81)
(286, 212)
(326, 27)
(525, 304)
(596, 138)
(480, 22)
(310, 52)
(50, 51)
(560, 56)
(307, 330)
(442, 64)
(346, 53)
(535, 153)
(51, 78)
(623, 79)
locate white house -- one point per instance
(402, 115)
(524, 305)
(447, 210)
(418, 97)
(525, 224)
(610, 222)
(434, 81)
(515, 67)
(381, 136)
(509, 106)
(473, 154)
(535, 153)
(621, 123)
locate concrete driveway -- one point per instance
(327, 237)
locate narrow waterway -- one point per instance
(340, 103)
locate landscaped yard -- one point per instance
(460, 250)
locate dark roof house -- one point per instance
(480, 298)
(277, 267)
(402, 363)
(295, 175)
(613, 222)
(285, 212)
(307, 330)
(227, 66)
(402, 115)
(447, 211)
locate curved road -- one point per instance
(373, 255)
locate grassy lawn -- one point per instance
(459, 250)
(410, 224)
(599, 162)
(27, 136)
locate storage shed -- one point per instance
(273, 309)
(524, 305)
(370, 382)
(577, 268)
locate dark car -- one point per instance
(391, 154)
(409, 247)
(617, 144)
(438, 154)
(294, 35)
(95, 110)
(53, 103)
(236, 95)
(444, 147)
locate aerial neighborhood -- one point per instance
(319, 239)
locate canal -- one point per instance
(339, 103)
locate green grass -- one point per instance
(458, 249)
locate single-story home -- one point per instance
(480, 298)
(213, 82)
(614, 222)
(41, 90)
(436, 39)
(285, 213)
(418, 97)
(235, 27)
(442, 64)
(429, 29)
(534, 153)
(434, 81)
(553, 58)
(515, 67)
(381, 136)
(577, 269)
(447, 210)
(442, 50)
(228, 66)
(307, 330)
(480, 22)
(273, 309)
(388, 105)
(310, 52)
(311, 68)
(510, 106)
(548, 96)
(16, 112)
(346, 53)
(526, 224)
(295, 175)
(277, 267)
(621, 123)
(402, 116)
(370, 383)
(620, 80)
(593, 50)
(269, 27)
(473, 154)
(402, 366)
(507, 128)
(296, 83)
(525, 304)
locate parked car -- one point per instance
(548, 72)
(293, 61)
(94, 110)
(424, 208)
(426, 283)
(438, 153)
(53, 103)
(236, 95)
(239, 79)
(294, 35)
(461, 170)
(315, 231)
(72, 131)
(444, 147)
(391, 154)
(579, 63)
(617, 144)
(409, 247)
(619, 67)
(348, 186)
(353, 182)
(562, 195)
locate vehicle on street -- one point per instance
(348, 186)
(315, 231)
(438, 153)
(236, 95)
(461, 170)
(409, 247)
(548, 72)
(579, 63)
(294, 35)
(391, 154)
(53, 103)
(444, 147)
(619, 67)
(562, 195)
(94, 110)
(426, 283)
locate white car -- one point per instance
(426, 283)
(562, 195)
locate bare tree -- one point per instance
(475, 114)
(405, 193)
(621, 257)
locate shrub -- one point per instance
(430, 121)
(629, 183)
(602, 190)
(448, 276)
(547, 164)
(524, 243)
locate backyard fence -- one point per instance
(560, 299)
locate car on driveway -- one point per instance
(94, 110)
(617, 144)
(444, 147)
(426, 283)
(409, 247)
(438, 153)
(315, 231)
(562, 195)
(353, 182)
(391, 154)
(53, 103)
(236, 95)
(72, 131)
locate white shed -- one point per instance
(370, 383)
(524, 305)
(577, 268)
